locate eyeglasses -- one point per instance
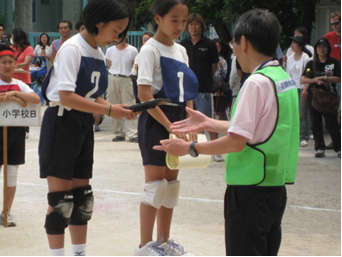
(335, 23)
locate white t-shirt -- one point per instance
(309, 47)
(295, 68)
(38, 52)
(23, 86)
(67, 64)
(148, 60)
(256, 112)
(122, 60)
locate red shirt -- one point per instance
(25, 77)
(335, 43)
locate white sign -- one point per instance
(12, 114)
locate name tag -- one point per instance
(12, 114)
(285, 85)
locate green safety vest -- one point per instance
(274, 161)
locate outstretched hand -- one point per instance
(196, 123)
(175, 147)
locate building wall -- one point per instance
(323, 10)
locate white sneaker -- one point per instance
(218, 158)
(10, 220)
(150, 249)
(303, 143)
(173, 249)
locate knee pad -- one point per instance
(154, 193)
(12, 174)
(83, 205)
(172, 194)
(58, 219)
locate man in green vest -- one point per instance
(261, 140)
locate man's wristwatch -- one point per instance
(192, 150)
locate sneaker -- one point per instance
(173, 249)
(319, 154)
(218, 158)
(118, 139)
(10, 220)
(303, 143)
(339, 154)
(97, 127)
(133, 140)
(150, 249)
(330, 146)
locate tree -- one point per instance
(23, 14)
(221, 13)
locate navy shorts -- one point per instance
(15, 146)
(150, 132)
(66, 144)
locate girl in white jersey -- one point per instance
(73, 87)
(163, 73)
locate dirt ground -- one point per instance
(311, 224)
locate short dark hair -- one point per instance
(145, 33)
(105, 11)
(40, 39)
(261, 28)
(20, 39)
(304, 32)
(78, 25)
(2, 25)
(162, 7)
(65, 21)
(325, 41)
(195, 17)
(5, 48)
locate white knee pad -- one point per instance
(12, 174)
(172, 194)
(154, 193)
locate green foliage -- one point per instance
(218, 13)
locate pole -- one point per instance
(5, 176)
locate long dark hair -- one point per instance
(162, 7)
(20, 39)
(40, 39)
(226, 51)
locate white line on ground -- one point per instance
(185, 198)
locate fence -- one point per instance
(133, 37)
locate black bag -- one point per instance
(216, 84)
(325, 99)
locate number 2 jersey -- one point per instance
(79, 68)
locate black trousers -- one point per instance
(317, 127)
(253, 218)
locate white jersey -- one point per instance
(66, 67)
(148, 60)
(121, 60)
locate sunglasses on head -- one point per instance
(335, 23)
